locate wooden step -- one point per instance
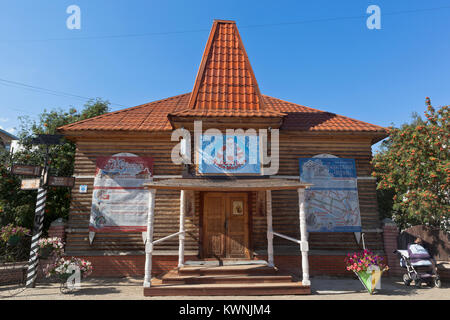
(174, 278)
(253, 289)
(244, 270)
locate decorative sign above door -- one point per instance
(232, 154)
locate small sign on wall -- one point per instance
(30, 184)
(61, 181)
(26, 170)
(238, 208)
(83, 188)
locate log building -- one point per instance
(192, 211)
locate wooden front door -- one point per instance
(225, 225)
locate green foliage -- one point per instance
(10, 230)
(413, 171)
(17, 206)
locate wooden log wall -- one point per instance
(285, 203)
(167, 202)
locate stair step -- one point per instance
(228, 270)
(255, 289)
(224, 262)
(175, 278)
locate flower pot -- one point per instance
(44, 253)
(64, 277)
(369, 279)
(14, 240)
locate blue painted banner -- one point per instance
(235, 154)
(332, 203)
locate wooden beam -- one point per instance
(303, 237)
(148, 242)
(182, 231)
(207, 184)
(269, 229)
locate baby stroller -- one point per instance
(419, 265)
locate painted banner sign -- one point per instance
(332, 203)
(235, 154)
(119, 200)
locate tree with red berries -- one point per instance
(413, 167)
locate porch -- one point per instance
(230, 277)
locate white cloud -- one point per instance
(4, 119)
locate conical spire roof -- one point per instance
(225, 84)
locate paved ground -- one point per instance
(322, 287)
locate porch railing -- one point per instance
(167, 237)
(287, 237)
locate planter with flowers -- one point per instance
(12, 234)
(367, 266)
(63, 268)
(14, 244)
(50, 246)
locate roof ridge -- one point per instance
(182, 112)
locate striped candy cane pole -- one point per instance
(37, 231)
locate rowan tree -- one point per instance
(413, 167)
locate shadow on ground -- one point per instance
(389, 287)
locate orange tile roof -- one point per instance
(227, 113)
(303, 118)
(225, 86)
(153, 116)
(145, 117)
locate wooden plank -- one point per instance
(227, 184)
(246, 289)
(26, 170)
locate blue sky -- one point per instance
(337, 65)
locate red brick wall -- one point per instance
(123, 266)
(390, 235)
(13, 275)
(331, 265)
(133, 265)
(119, 266)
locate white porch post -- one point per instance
(269, 228)
(149, 240)
(181, 236)
(303, 237)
